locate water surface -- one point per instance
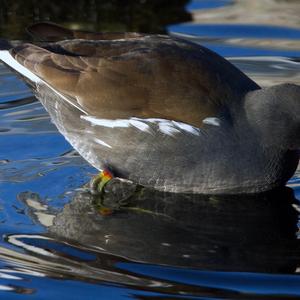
(55, 243)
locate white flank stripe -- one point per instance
(212, 121)
(165, 126)
(188, 128)
(98, 141)
(139, 125)
(123, 123)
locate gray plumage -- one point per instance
(166, 113)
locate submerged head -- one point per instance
(274, 113)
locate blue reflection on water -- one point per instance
(240, 51)
(49, 288)
(35, 157)
(265, 284)
(237, 31)
(207, 4)
(217, 38)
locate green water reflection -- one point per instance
(128, 15)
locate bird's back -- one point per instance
(158, 110)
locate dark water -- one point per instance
(55, 244)
(101, 15)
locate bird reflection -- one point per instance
(256, 233)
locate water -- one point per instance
(55, 244)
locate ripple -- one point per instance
(237, 31)
(56, 244)
(269, 70)
(207, 4)
(30, 169)
(17, 103)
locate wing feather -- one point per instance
(144, 77)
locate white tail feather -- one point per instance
(8, 59)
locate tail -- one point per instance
(29, 77)
(7, 58)
(41, 31)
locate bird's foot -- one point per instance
(112, 193)
(98, 182)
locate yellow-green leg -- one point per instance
(97, 185)
(111, 193)
(99, 181)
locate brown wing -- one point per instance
(143, 76)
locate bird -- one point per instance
(161, 111)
